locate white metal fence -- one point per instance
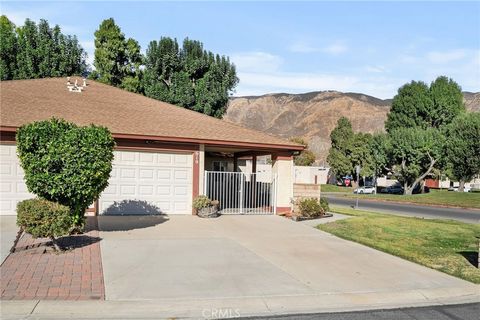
(241, 193)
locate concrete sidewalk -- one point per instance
(224, 308)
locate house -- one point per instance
(163, 153)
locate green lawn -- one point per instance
(439, 197)
(442, 245)
(333, 188)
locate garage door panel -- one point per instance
(12, 188)
(148, 183)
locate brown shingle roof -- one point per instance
(24, 101)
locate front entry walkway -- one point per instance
(186, 257)
(35, 272)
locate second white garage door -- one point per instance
(148, 183)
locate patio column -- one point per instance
(282, 169)
(201, 169)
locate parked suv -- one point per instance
(393, 190)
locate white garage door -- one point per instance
(148, 183)
(12, 185)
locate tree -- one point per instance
(420, 113)
(8, 49)
(66, 163)
(414, 153)
(38, 51)
(117, 60)
(341, 139)
(418, 105)
(350, 150)
(462, 148)
(306, 157)
(189, 76)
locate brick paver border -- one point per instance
(34, 271)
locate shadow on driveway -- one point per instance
(126, 223)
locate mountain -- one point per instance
(313, 115)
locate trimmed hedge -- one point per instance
(66, 163)
(44, 219)
(310, 208)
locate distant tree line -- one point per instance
(427, 131)
(38, 51)
(186, 75)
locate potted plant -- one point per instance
(205, 207)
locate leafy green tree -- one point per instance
(38, 51)
(8, 49)
(418, 105)
(414, 153)
(379, 151)
(189, 76)
(462, 148)
(306, 157)
(117, 59)
(423, 110)
(66, 163)
(447, 100)
(350, 150)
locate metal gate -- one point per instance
(242, 193)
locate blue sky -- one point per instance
(368, 47)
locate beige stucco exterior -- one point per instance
(283, 172)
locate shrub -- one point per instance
(66, 163)
(44, 219)
(324, 205)
(201, 202)
(310, 208)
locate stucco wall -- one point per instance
(283, 171)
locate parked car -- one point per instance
(393, 190)
(365, 189)
(465, 189)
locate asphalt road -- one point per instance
(464, 215)
(444, 312)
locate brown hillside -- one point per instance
(314, 115)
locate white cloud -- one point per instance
(256, 61)
(303, 47)
(375, 69)
(334, 48)
(441, 57)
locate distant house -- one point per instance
(162, 154)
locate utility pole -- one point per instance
(357, 170)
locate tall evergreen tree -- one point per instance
(38, 51)
(8, 49)
(117, 59)
(189, 76)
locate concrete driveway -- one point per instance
(150, 258)
(8, 233)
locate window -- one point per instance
(220, 166)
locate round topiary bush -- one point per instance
(44, 219)
(66, 163)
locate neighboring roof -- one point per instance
(124, 113)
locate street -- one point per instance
(443, 312)
(464, 215)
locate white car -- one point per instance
(365, 190)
